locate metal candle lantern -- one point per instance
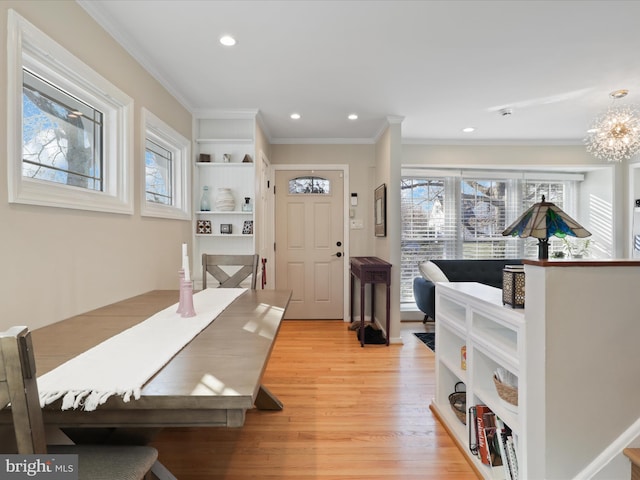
(513, 287)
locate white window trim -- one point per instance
(31, 48)
(159, 132)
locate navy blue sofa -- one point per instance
(488, 272)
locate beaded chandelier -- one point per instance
(615, 136)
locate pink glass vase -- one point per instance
(180, 282)
(186, 290)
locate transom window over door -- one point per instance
(317, 185)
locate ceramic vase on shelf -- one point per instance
(224, 200)
(205, 205)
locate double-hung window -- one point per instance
(458, 214)
(69, 129)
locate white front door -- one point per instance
(309, 242)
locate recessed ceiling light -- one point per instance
(295, 116)
(468, 129)
(352, 116)
(227, 41)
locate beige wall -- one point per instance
(388, 172)
(60, 262)
(500, 155)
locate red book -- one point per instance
(483, 448)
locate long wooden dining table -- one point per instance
(212, 381)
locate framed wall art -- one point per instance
(380, 211)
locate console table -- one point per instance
(370, 270)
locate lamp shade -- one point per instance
(543, 220)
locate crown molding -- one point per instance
(226, 113)
(126, 42)
(322, 141)
(493, 142)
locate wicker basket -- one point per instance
(507, 393)
(458, 402)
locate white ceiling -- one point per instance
(442, 65)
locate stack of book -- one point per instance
(493, 442)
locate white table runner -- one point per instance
(122, 364)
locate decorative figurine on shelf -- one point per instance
(205, 205)
(226, 158)
(247, 159)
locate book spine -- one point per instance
(502, 432)
(492, 435)
(473, 431)
(483, 448)
(513, 459)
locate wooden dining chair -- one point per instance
(219, 265)
(19, 390)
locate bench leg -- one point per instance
(160, 472)
(266, 400)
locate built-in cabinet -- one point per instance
(228, 145)
(574, 351)
(476, 335)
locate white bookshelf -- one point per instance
(472, 315)
(216, 135)
(574, 350)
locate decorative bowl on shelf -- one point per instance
(458, 402)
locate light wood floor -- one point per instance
(350, 413)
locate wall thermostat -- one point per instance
(225, 228)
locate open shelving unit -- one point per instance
(471, 315)
(217, 136)
(573, 349)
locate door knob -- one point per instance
(339, 254)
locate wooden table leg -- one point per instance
(388, 312)
(351, 289)
(362, 285)
(265, 400)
